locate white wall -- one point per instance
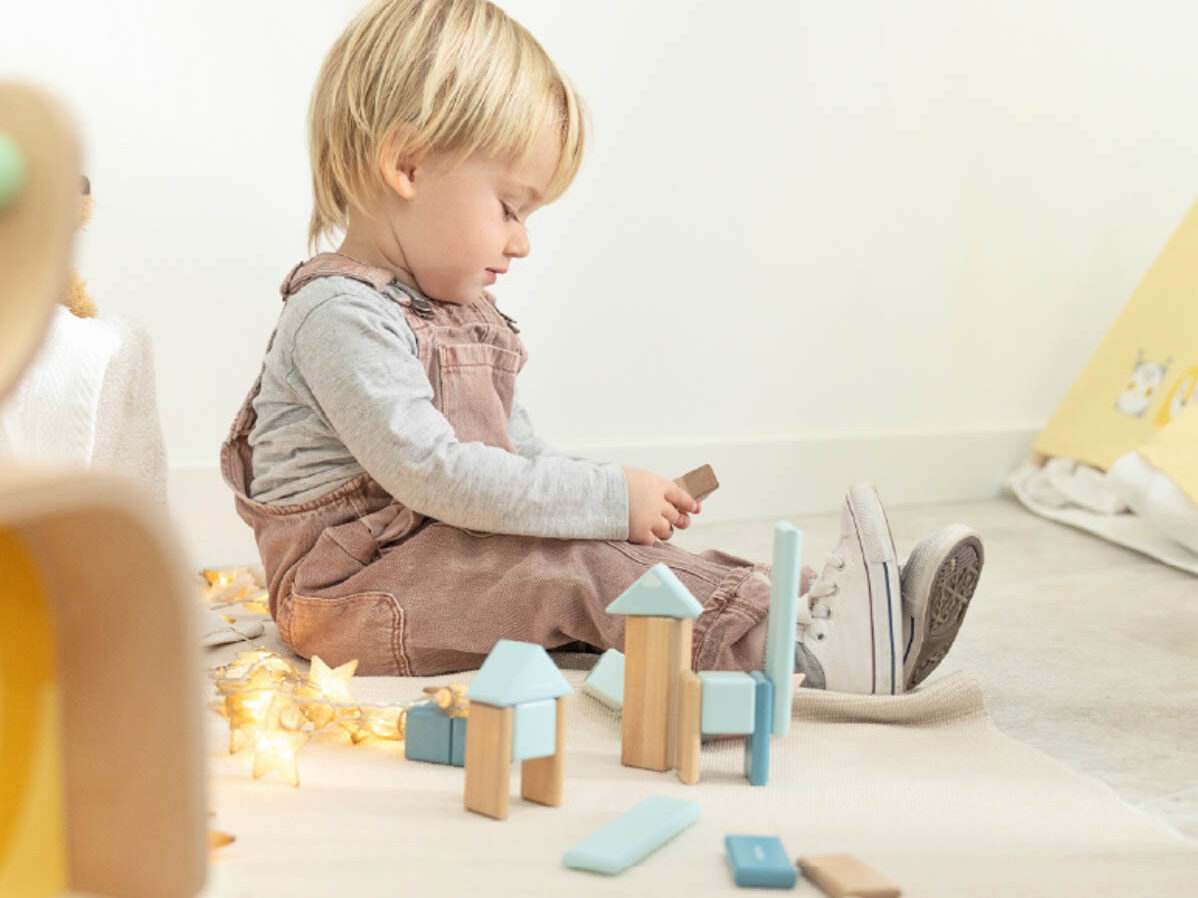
(819, 241)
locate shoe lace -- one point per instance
(813, 617)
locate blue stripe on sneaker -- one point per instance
(890, 622)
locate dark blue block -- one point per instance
(427, 735)
(457, 751)
(757, 743)
(760, 861)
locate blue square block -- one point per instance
(534, 730)
(757, 743)
(427, 735)
(457, 747)
(729, 704)
(760, 861)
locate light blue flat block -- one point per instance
(534, 730)
(517, 672)
(657, 593)
(427, 735)
(757, 743)
(606, 680)
(784, 610)
(728, 705)
(760, 861)
(633, 835)
(457, 741)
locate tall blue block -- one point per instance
(757, 743)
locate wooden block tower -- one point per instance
(517, 713)
(657, 651)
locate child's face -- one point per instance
(445, 228)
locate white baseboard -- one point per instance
(759, 478)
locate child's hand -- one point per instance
(655, 506)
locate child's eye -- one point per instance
(508, 212)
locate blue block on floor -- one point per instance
(606, 679)
(457, 741)
(632, 835)
(728, 704)
(760, 861)
(757, 743)
(427, 735)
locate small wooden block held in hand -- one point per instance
(700, 483)
(844, 874)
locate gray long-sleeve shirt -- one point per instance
(344, 391)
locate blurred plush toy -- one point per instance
(76, 297)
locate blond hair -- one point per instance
(449, 76)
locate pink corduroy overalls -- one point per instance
(354, 573)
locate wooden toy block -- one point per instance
(656, 651)
(605, 682)
(633, 835)
(843, 874)
(783, 614)
(757, 743)
(457, 741)
(517, 678)
(517, 672)
(534, 729)
(760, 861)
(541, 778)
(700, 483)
(656, 593)
(729, 704)
(428, 735)
(488, 759)
(690, 710)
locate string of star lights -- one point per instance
(273, 708)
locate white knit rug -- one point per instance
(923, 787)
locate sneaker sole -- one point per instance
(885, 590)
(938, 582)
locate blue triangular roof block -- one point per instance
(657, 593)
(517, 672)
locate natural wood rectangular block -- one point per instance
(541, 778)
(488, 760)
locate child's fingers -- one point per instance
(680, 498)
(684, 521)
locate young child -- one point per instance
(405, 512)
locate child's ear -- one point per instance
(398, 163)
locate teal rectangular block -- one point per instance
(728, 702)
(633, 835)
(427, 735)
(534, 729)
(785, 576)
(757, 743)
(457, 741)
(760, 861)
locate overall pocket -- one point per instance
(478, 383)
(368, 626)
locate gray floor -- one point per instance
(1085, 650)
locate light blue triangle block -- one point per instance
(517, 672)
(633, 835)
(657, 593)
(606, 680)
(783, 617)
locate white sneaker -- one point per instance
(938, 581)
(852, 619)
